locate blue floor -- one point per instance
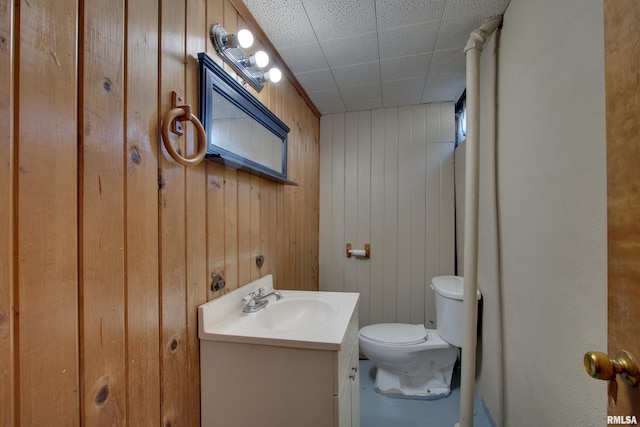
(381, 411)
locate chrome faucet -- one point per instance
(261, 294)
(256, 302)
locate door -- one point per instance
(622, 82)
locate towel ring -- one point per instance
(183, 113)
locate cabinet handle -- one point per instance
(354, 369)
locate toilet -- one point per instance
(411, 360)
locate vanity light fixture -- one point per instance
(230, 48)
(260, 59)
(245, 39)
(273, 75)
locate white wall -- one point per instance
(386, 178)
(549, 266)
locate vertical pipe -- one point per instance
(473, 49)
(469, 303)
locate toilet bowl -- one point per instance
(415, 362)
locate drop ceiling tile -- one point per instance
(358, 105)
(455, 33)
(484, 9)
(357, 75)
(316, 80)
(333, 19)
(405, 67)
(348, 53)
(444, 87)
(256, 6)
(351, 50)
(362, 93)
(301, 59)
(286, 26)
(400, 13)
(402, 92)
(410, 40)
(327, 101)
(447, 61)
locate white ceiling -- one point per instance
(354, 55)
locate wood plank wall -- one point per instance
(386, 178)
(107, 245)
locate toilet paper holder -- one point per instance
(360, 253)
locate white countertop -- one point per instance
(222, 319)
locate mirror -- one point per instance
(241, 132)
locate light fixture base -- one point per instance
(233, 56)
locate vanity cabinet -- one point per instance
(348, 397)
(245, 384)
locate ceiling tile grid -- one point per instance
(328, 101)
(333, 19)
(405, 67)
(357, 74)
(303, 58)
(351, 50)
(352, 55)
(317, 80)
(408, 40)
(402, 92)
(286, 26)
(400, 13)
(442, 87)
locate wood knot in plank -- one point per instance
(107, 84)
(215, 183)
(102, 395)
(4, 325)
(135, 156)
(174, 345)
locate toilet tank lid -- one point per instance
(395, 333)
(450, 286)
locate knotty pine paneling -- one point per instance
(7, 373)
(102, 229)
(141, 178)
(196, 192)
(46, 337)
(110, 245)
(174, 241)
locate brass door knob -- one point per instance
(601, 367)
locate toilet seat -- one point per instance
(395, 333)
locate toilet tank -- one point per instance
(448, 290)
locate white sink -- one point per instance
(303, 319)
(297, 311)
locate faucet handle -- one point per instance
(249, 299)
(261, 291)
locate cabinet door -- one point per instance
(355, 388)
(349, 394)
(345, 409)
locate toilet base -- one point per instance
(436, 384)
(414, 396)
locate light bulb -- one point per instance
(245, 38)
(274, 75)
(261, 59)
